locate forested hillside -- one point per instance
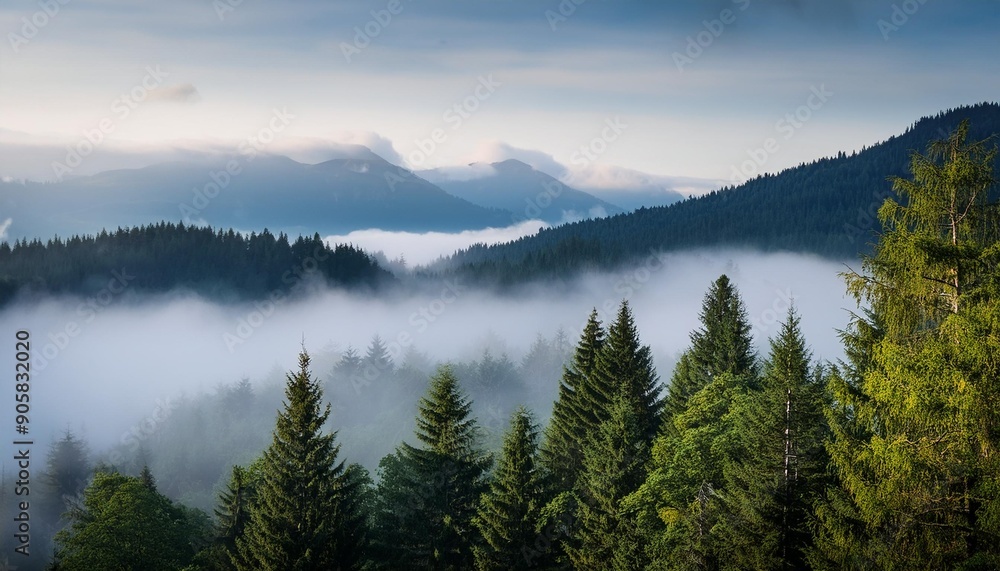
(888, 460)
(166, 256)
(827, 207)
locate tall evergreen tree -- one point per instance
(233, 515)
(66, 473)
(562, 449)
(922, 478)
(427, 494)
(508, 512)
(678, 507)
(780, 470)
(301, 518)
(624, 371)
(614, 467)
(723, 344)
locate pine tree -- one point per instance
(427, 494)
(771, 485)
(562, 449)
(300, 517)
(508, 512)
(921, 474)
(723, 344)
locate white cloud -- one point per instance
(458, 173)
(498, 151)
(615, 178)
(4, 226)
(422, 249)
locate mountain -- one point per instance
(827, 207)
(246, 191)
(520, 189)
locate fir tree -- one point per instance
(508, 512)
(723, 344)
(66, 473)
(780, 469)
(301, 518)
(624, 370)
(233, 515)
(562, 449)
(614, 467)
(427, 494)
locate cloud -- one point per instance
(422, 249)
(458, 173)
(183, 93)
(498, 151)
(4, 226)
(620, 179)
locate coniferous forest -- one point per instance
(735, 459)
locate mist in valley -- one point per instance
(149, 379)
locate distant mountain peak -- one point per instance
(512, 166)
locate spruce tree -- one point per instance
(771, 485)
(723, 344)
(66, 472)
(301, 516)
(614, 467)
(428, 494)
(624, 371)
(233, 515)
(508, 512)
(562, 449)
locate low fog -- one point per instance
(133, 360)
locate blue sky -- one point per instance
(699, 86)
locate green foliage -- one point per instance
(614, 467)
(301, 517)
(428, 494)
(124, 523)
(723, 344)
(562, 449)
(508, 512)
(914, 450)
(772, 483)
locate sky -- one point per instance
(690, 91)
